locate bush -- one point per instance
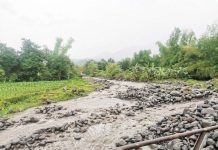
(202, 70)
(13, 77)
(101, 74)
(2, 75)
(91, 68)
(112, 70)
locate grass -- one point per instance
(192, 82)
(15, 97)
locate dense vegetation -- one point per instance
(182, 56)
(35, 63)
(21, 95)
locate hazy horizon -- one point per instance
(116, 28)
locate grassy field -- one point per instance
(15, 97)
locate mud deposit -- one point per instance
(119, 114)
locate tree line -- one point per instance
(182, 56)
(33, 62)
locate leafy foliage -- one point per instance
(8, 60)
(33, 62)
(182, 56)
(2, 74)
(91, 68)
(112, 70)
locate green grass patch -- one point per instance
(192, 82)
(15, 97)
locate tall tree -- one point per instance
(8, 60)
(59, 64)
(142, 58)
(2, 75)
(102, 64)
(32, 61)
(125, 64)
(91, 68)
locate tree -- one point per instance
(172, 52)
(8, 60)
(169, 51)
(110, 60)
(112, 70)
(156, 60)
(174, 38)
(61, 49)
(59, 65)
(188, 38)
(32, 61)
(2, 75)
(208, 45)
(91, 68)
(142, 58)
(125, 64)
(102, 64)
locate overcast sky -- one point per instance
(102, 27)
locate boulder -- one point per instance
(210, 111)
(175, 93)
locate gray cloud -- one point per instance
(7, 6)
(114, 27)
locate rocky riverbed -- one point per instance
(118, 113)
(204, 115)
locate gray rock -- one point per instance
(29, 120)
(175, 144)
(42, 143)
(1, 124)
(216, 144)
(210, 142)
(215, 135)
(2, 146)
(77, 130)
(121, 143)
(35, 136)
(207, 123)
(8, 146)
(130, 113)
(215, 107)
(77, 137)
(191, 125)
(208, 111)
(199, 95)
(176, 93)
(137, 138)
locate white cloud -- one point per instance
(100, 26)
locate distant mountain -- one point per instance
(121, 54)
(80, 62)
(117, 56)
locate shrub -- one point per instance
(2, 75)
(112, 70)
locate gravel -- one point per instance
(202, 116)
(153, 95)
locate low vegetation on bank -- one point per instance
(19, 96)
(183, 56)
